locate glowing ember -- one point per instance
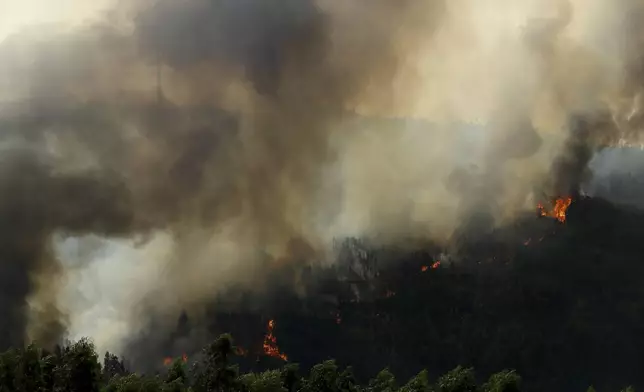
(559, 209)
(167, 361)
(434, 265)
(184, 358)
(241, 351)
(270, 343)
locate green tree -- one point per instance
(213, 373)
(28, 373)
(134, 383)
(505, 381)
(112, 367)
(459, 379)
(385, 381)
(290, 378)
(323, 377)
(8, 365)
(347, 381)
(269, 381)
(177, 372)
(418, 383)
(78, 369)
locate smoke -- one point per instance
(166, 149)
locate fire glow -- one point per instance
(168, 360)
(434, 265)
(558, 211)
(270, 343)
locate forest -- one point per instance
(76, 368)
(547, 304)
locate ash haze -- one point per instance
(276, 123)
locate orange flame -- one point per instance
(434, 265)
(559, 209)
(270, 343)
(184, 358)
(241, 351)
(167, 361)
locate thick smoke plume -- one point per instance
(161, 150)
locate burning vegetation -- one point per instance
(558, 210)
(270, 343)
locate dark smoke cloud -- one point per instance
(106, 158)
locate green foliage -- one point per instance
(322, 378)
(347, 381)
(269, 381)
(290, 377)
(75, 368)
(134, 383)
(505, 381)
(214, 373)
(78, 370)
(419, 383)
(459, 379)
(591, 389)
(385, 381)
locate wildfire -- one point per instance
(559, 209)
(270, 343)
(167, 361)
(434, 265)
(241, 351)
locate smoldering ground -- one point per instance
(206, 137)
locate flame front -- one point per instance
(270, 343)
(559, 209)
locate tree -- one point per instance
(134, 383)
(385, 381)
(290, 378)
(505, 381)
(78, 369)
(112, 367)
(459, 379)
(347, 381)
(269, 381)
(28, 373)
(213, 373)
(322, 378)
(8, 364)
(418, 383)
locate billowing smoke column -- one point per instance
(187, 145)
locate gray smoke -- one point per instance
(191, 145)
